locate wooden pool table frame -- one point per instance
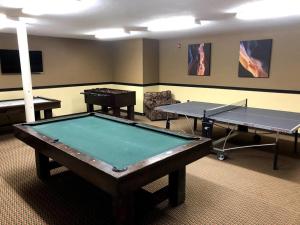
(121, 185)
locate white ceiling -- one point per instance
(133, 13)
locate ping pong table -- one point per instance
(239, 117)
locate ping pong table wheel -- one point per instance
(221, 156)
(257, 138)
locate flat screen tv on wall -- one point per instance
(10, 61)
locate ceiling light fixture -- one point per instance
(3, 16)
(5, 22)
(1, 26)
(267, 9)
(52, 7)
(28, 20)
(114, 33)
(111, 33)
(172, 23)
(135, 29)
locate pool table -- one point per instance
(117, 155)
(14, 106)
(13, 111)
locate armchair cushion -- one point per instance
(155, 99)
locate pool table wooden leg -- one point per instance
(42, 165)
(123, 209)
(177, 187)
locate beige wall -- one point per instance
(266, 100)
(150, 61)
(66, 61)
(284, 71)
(135, 61)
(72, 61)
(127, 63)
(144, 61)
(71, 99)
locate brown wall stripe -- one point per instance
(167, 84)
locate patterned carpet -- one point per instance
(240, 190)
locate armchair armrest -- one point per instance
(175, 101)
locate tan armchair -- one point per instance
(155, 99)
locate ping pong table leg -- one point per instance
(275, 158)
(296, 142)
(207, 127)
(276, 152)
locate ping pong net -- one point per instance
(224, 108)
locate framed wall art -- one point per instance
(254, 58)
(199, 59)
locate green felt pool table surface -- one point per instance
(116, 143)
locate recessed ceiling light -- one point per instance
(172, 23)
(54, 7)
(3, 16)
(111, 33)
(5, 22)
(28, 20)
(267, 9)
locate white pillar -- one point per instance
(26, 72)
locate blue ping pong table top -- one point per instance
(274, 120)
